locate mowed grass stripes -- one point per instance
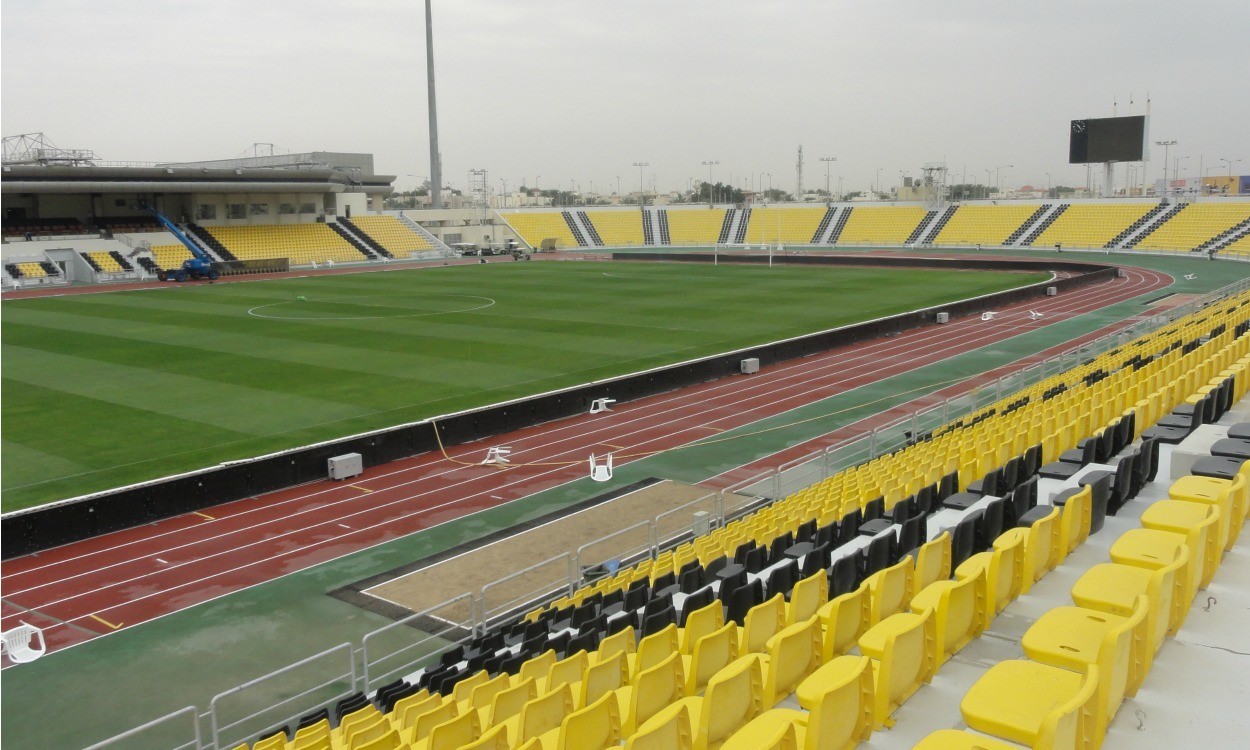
(108, 389)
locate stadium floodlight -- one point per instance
(998, 185)
(642, 185)
(709, 165)
(1165, 145)
(827, 160)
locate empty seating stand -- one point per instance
(907, 557)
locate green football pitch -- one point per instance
(103, 390)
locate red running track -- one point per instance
(96, 586)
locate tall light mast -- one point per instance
(436, 166)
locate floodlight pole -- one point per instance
(998, 183)
(1230, 163)
(827, 160)
(1165, 145)
(436, 168)
(709, 165)
(642, 185)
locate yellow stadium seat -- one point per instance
(960, 609)
(701, 622)
(933, 561)
(568, 671)
(420, 729)
(1200, 525)
(655, 648)
(356, 719)
(1042, 549)
(838, 697)
(734, 697)
(492, 739)
(623, 641)
(275, 742)
(954, 739)
(536, 667)
(845, 618)
(312, 737)
(1153, 549)
(890, 590)
(652, 690)
(606, 676)
(404, 714)
(595, 727)
(379, 731)
(1223, 494)
(1112, 588)
(762, 622)
(903, 649)
(465, 687)
(451, 734)
(712, 653)
(544, 713)
(668, 730)
(1035, 705)
(507, 704)
(390, 741)
(807, 597)
(1075, 522)
(793, 654)
(1074, 638)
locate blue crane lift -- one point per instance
(199, 266)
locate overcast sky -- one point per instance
(564, 91)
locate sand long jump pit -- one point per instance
(517, 565)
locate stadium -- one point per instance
(296, 458)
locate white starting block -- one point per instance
(989, 315)
(601, 405)
(1034, 315)
(497, 455)
(601, 472)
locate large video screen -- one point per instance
(1105, 139)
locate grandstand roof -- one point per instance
(313, 172)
